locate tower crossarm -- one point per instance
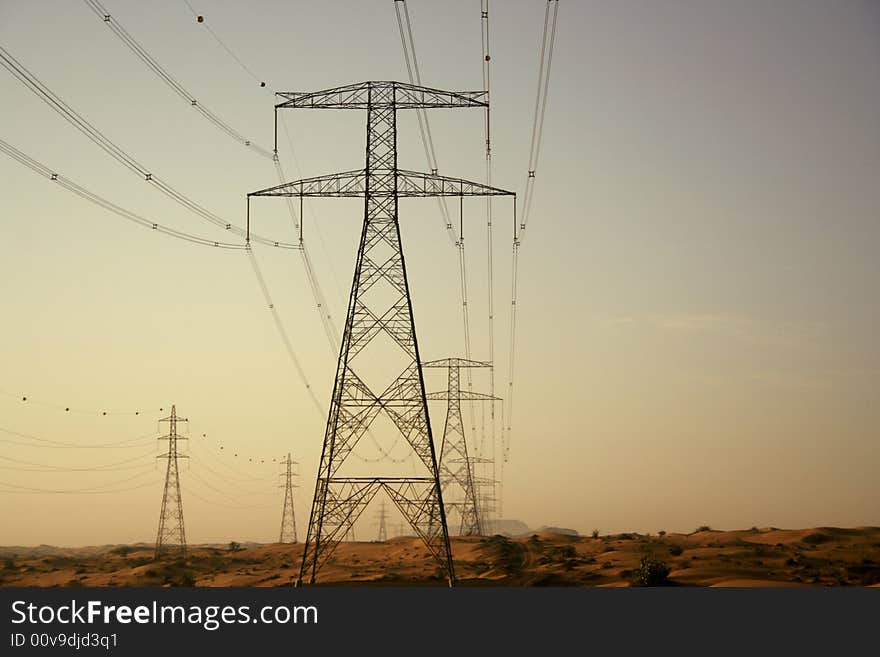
(463, 395)
(410, 184)
(456, 362)
(397, 95)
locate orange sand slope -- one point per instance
(758, 557)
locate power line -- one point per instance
(201, 21)
(90, 489)
(30, 81)
(28, 490)
(46, 467)
(82, 192)
(548, 40)
(46, 442)
(151, 62)
(68, 409)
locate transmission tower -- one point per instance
(288, 518)
(171, 536)
(456, 469)
(380, 306)
(381, 517)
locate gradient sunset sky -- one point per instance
(698, 294)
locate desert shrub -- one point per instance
(661, 533)
(187, 579)
(595, 533)
(234, 546)
(703, 528)
(676, 550)
(815, 539)
(754, 529)
(651, 572)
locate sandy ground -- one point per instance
(824, 556)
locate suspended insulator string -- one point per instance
(84, 193)
(47, 442)
(547, 41)
(308, 204)
(415, 77)
(166, 77)
(217, 38)
(55, 102)
(317, 294)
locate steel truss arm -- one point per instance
(463, 395)
(410, 184)
(398, 95)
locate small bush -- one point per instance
(703, 528)
(676, 550)
(234, 546)
(661, 533)
(651, 572)
(595, 533)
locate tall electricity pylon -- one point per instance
(381, 517)
(288, 518)
(456, 468)
(171, 536)
(380, 306)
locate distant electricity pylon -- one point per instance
(380, 306)
(171, 536)
(382, 516)
(288, 518)
(456, 468)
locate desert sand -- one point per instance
(823, 556)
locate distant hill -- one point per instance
(508, 527)
(559, 530)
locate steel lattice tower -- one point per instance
(382, 516)
(171, 536)
(339, 500)
(456, 468)
(288, 518)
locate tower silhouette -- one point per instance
(379, 310)
(288, 518)
(382, 516)
(171, 536)
(456, 467)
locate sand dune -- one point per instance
(823, 556)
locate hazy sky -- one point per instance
(698, 313)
